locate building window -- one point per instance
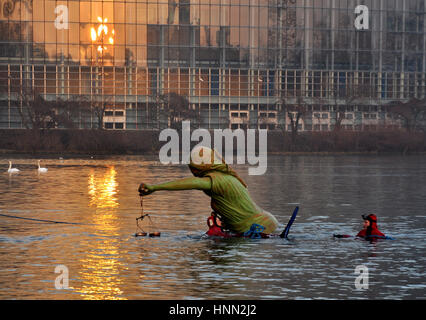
(109, 113)
(234, 114)
(119, 125)
(214, 83)
(109, 125)
(370, 116)
(234, 126)
(119, 113)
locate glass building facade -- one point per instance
(239, 63)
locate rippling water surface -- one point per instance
(106, 261)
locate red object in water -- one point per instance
(214, 229)
(372, 230)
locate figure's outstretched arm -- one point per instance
(181, 184)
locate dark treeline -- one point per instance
(79, 141)
(392, 141)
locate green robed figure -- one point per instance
(230, 199)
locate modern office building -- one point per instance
(238, 63)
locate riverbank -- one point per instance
(109, 142)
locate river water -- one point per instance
(104, 260)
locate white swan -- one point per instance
(12, 170)
(41, 169)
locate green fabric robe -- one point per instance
(232, 201)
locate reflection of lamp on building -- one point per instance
(102, 38)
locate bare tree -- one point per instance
(98, 109)
(411, 112)
(177, 109)
(35, 112)
(295, 112)
(338, 113)
(341, 96)
(68, 112)
(339, 116)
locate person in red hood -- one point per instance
(215, 227)
(370, 227)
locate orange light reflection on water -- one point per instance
(101, 267)
(103, 191)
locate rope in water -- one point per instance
(43, 220)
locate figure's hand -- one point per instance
(145, 189)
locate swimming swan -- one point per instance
(41, 169)
(12, 170)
